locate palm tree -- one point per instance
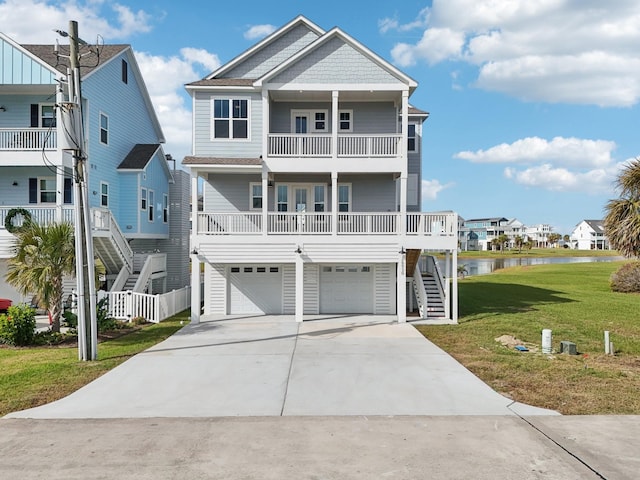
(518, 241)
(44, 255)
(462, 270)
(494, 243)
(622, 220)
(503, 240)
(554, 238)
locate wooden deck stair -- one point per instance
(413, 255)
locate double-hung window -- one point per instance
(411, 137)
(345, 120)
(104, 129)
(230, 118)
(318, 198)
(150, 206)
(283, 198)
(47, 190)
(344, 198)
(256, 196)
(47, 116)
(104, 194)
(143, 199)
(165, 208)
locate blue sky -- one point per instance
(533, 103)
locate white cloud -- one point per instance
(33, 21)
(421, 21)
(562, 164)
(575, 152)
(431, 189)
(259, 31)
(538, 50)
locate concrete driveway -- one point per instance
(273, 366)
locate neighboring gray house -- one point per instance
(310, 156)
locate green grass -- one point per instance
(575, 302)
(34, 376)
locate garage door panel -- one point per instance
(255, 290)
(346, 289)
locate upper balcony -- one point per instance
(320, 145)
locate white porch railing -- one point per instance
(40, 215)
(229, 223)
(319, 145)
(300, 145)
(102, 221)
(154, 308)
(432, 224)
(300, 223)
(368, 145)
(28, 139)
(351, 223)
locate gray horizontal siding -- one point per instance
(228, 193)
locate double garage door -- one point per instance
(259, 289)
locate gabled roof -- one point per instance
(337, 33)
(92, 61)
(32, 55)
(139, 156)
(596, 225)
(299, 20)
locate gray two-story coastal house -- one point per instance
(309, 154)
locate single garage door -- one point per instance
(346, 289)
(255, 289)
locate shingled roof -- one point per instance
(88, 63)
(139, 156)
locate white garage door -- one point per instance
(346, 289)
(255, 289)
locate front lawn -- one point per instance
(575, 302)
(33, 376)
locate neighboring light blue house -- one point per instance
(309, 154)
(134, 194)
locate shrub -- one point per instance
(18, 326)
(627, 278)
(70, 319)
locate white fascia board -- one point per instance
(340, 165)
(203, 169)
(336, 32)
(342, 87)
(300, 19)
(224, 88)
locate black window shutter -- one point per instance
(35, 114)
(67, 190)
(33, 190)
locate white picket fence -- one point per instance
(154, 308)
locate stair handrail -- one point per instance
(121, 279)
(155, 262)
(104, 220)
(441, 283)
(421, 292)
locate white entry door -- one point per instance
(255, 289)
(346, 289)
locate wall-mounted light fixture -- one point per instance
(298, 250)
(15, 184)
(3, 108)
(402, 251)
(194, 251)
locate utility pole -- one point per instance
(73, 121)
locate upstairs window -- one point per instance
(104, 129)
(283, 198)
(143, 199)
(411, 137)
(47, 190)
(150, 194)
(230, 118)
(125, 72)
(47, 116)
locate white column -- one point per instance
(334, 203)
(447, 284)
(299, 288)
(265, 200)
(334, 123)
(403, 205)
(454, 296)
(60, 190)
(195, 289)
(405, 163)
(401, 300)
(265, 123)
(194, 207)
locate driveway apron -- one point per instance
(273, 366)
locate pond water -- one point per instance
(483, 266)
